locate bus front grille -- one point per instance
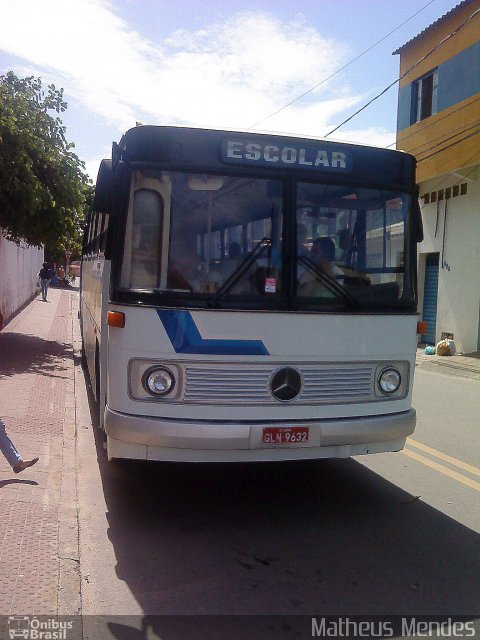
(250, 384)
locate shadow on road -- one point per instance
(23, 353)
(4, 483)
(296, 538)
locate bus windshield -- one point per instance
(229, 239)
(188, 233)
(353, 238)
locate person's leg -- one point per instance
(44, 289)
(10, 452)
(7, 447)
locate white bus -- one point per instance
(251, 297)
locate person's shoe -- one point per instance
(24, 464)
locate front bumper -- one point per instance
(145, 438)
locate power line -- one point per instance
(362, 108)
(442, 139)
(419, 61)
(338, 70)
(470, 135)
(431, 124)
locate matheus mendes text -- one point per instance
(397, 627)
(308, 157)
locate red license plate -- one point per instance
(285, 435)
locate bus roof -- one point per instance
(210, 150)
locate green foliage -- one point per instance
(43, 185)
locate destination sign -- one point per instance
(310, 156)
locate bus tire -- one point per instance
(83, 356)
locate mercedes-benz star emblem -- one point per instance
(286, 384)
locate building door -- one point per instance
(430, 295)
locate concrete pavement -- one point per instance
(39, 528)
(39, 556)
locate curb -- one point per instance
(69, 585)
(464, 366)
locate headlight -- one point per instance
(389, 381)
(158, 381)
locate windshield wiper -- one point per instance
(330, 283)
(241, 270)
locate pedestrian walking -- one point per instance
(6, 445)
(44, 276)
(10, 452)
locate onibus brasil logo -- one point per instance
(32, 628)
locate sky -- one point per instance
(215, 63)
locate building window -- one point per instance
(441, 194)
(425, 96)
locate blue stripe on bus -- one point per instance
(185, 338)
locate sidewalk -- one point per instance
(467, 366)
(39, 557)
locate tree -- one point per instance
(43, 184)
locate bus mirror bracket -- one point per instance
(115, 153)
(418, 219)
(103, 199)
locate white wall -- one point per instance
(19, 266)
(459, 277)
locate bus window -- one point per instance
(205, 223)
(384, 239)
(96, 232)
(355, 236)
(92, 232)
(142, 258)
(234, 235)
(103, 233)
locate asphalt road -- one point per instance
(382, 534)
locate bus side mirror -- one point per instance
(103, 198)
(418, 222)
